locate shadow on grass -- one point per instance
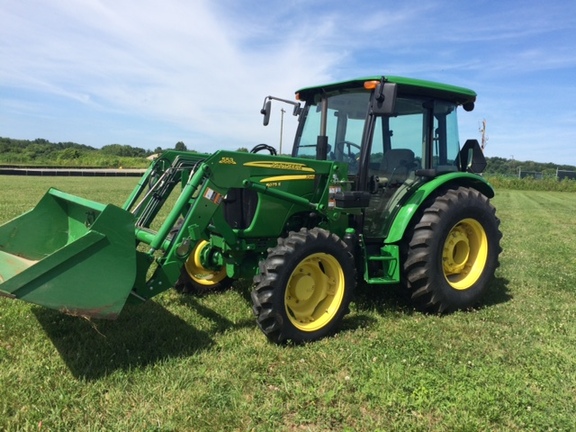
(220, 322)
(382, 299)
(396, 300)
(498, 293)
(142, 335)
(244, 288)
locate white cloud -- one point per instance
(176, 61)
(152, 73)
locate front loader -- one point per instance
(377, 190)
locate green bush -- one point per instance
(530, 183)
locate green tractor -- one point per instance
(377, 191)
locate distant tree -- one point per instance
(35, 151)
(123, 150)
(180, 146)
(69, 153)
(243, 149)
(158, 150)
(68, 144)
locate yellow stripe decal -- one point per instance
(280, 165)
(288, 178)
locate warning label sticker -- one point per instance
(213, 196)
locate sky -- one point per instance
(149, 74)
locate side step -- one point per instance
(389, 259)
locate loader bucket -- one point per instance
(69, 254)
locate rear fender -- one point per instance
(410, 207)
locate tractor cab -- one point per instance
(392, 132)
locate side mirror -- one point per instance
(266, 111)
(266, 108)
(472, 158)
(384, 99)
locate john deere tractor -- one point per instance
(377, 191)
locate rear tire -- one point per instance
(453, 251)
(304, 287)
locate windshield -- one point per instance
(345, 125)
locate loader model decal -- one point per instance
(280, 166)
(227, 161)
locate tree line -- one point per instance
(512, 167)
(43, 152)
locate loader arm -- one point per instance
(200, 206)
(86, 258)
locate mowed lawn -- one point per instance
(188, 363)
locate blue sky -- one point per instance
(149, 73)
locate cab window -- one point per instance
(344, 128)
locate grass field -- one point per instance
(200, 364)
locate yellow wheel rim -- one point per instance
(200, 274)
(465, 254)
(315, 291)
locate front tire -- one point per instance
(304, 287)
(452, 251)
(197, 279)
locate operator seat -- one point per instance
(393, 170)
(395, 167)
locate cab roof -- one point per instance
(406, 86)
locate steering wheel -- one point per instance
(352, 161)
(260, 147)
(349, 144)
